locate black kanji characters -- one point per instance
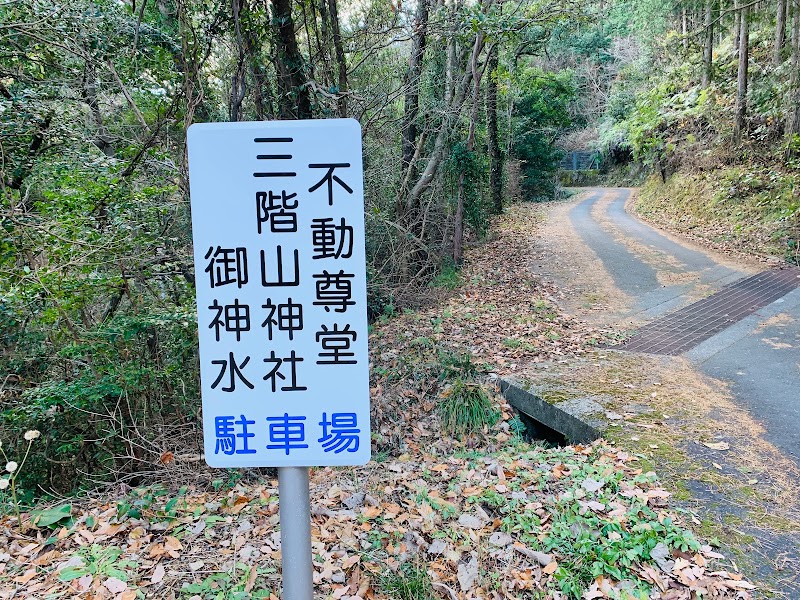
(280, 281)
(331, 240)
(233, 370)
(226, 265)
(335, 344)
(290, 317)
(275, 372)
(329, 178)
(334, 290)
(277, 210)
(233, 318)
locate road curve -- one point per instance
(759, 355)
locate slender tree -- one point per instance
(684, 28)
(341, 62)
(477, 75)
(793, 108)
(741, 80)
(780, 33)
(412, 81)
(239, 77)
(708, 45)
(493, 141)
(294, 98)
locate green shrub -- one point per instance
(466, 409)
(542, 114)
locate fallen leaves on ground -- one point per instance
(502, 313)
(499, 525)
(490, 517)
(500, 318)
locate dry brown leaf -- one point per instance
(158, 574)
(25, 577)
(114, 585)
(251, 579)
(717, 445)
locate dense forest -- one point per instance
(465, 107)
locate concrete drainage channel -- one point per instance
(574, 421)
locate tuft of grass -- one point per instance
(448, 278)
(410, 582)
(466, 408)
(517, 427)
(455, 366)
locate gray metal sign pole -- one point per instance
(295, 515)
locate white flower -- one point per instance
(3, 483)
(32, 434)
(11, 466)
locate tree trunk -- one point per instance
(458, 234)
(341, 63)
(412, 78)
(239, 77)
(741, 82)
(262, 93)
(780, 33)
(493, 142)
(737, 25)
(262, 90)
(324, 43)
(708, 50)
(294, 100)
(23, 170)
(793, 112)
(454, 102)
(102, 140)
(685, 28)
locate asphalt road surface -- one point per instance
(758, 355)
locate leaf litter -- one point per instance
(489, 516)
(484, 526)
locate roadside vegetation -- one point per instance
(456, 503)
(707, 112)
(466, 109)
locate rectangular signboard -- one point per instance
(278, 228)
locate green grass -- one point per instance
(410, 582)
(448, 277)
(467, 409)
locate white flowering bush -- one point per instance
(12, 470)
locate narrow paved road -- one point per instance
(759, 355)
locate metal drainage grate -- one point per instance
(686, 328)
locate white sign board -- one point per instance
(278, 228)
